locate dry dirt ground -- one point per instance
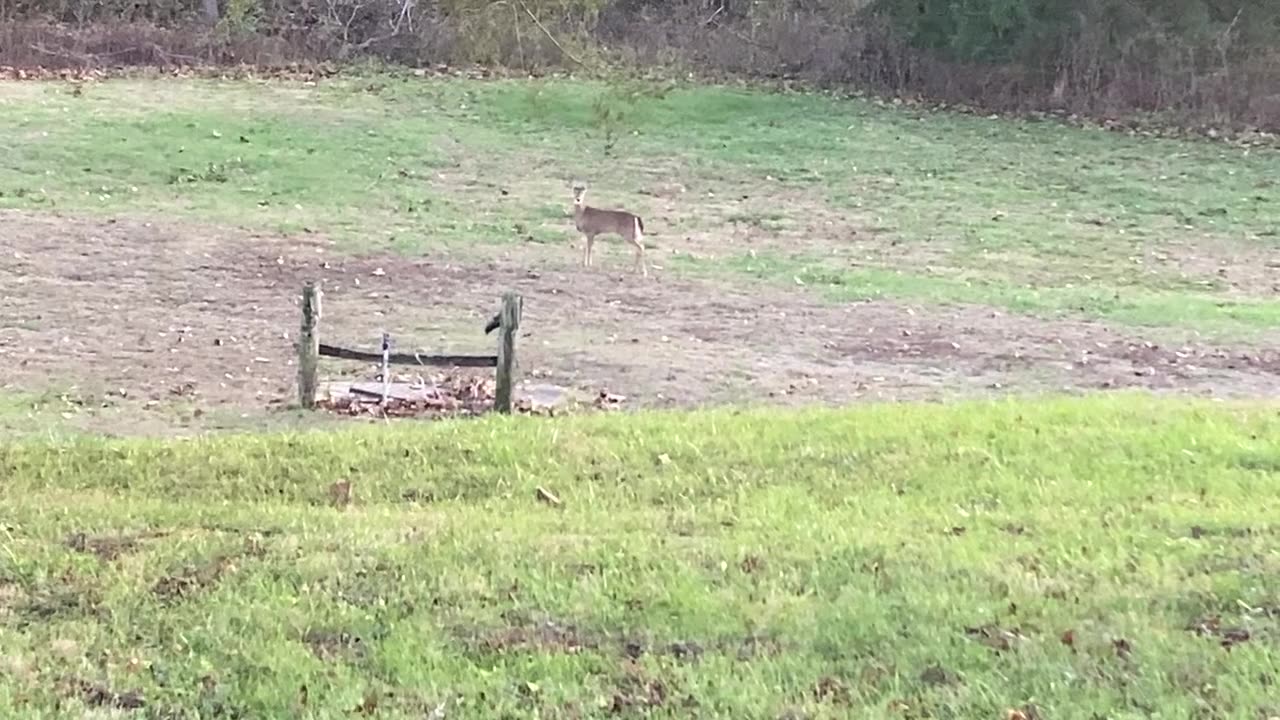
(162, 315)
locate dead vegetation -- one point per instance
(193, 579)
(546, 636)
(99, 695)
(1116, 60)
(68, 596)
(109, 547)
(331, 645)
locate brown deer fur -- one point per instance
(593, 221)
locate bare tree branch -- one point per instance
(550, 37)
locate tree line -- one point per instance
(1204, 61)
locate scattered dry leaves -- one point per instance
(831, 689)
(1026, 712)
(685, 650)
(193, 579)
(549, 636)
(107, 547)
(1211, 626)
(99, 695)
(329, 645)
(415, 495)
(758, 646)
(451, 395)
(636, 690)
(341, 494)
(1068, 638)
(938, 675)
(995, 637)
(1122, 647)
(609, 401)
(295, 72)
(368, 705)
(443, 395)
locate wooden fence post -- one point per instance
(512, 304)
(309, 347)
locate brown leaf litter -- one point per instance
(454, 394)
(1227, 636)
(194, 579)
(99, 695)
(109, 547)
(995, 637)
(548, 636)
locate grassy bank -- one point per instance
(1073, 558)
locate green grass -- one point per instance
(744, 564)
(1020, 208)
(1197, 310)
(48, 414)
(890, 561)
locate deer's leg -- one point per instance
(591, 240)
(637, 239)
(586, 251)
(640, 263)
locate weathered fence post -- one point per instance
(309, 347)
(310, 350)
(509, 323)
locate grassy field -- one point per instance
(1017, 558)
(859, 199)
(1062, 559)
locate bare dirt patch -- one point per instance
(637, 691)
(733, 218)
(547, 636)
(330, 645)
(1243, 269)
(69, 596)
(157, 315)
(193, 579)
(738, 218)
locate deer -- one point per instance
(593, 221)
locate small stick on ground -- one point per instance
(546, 496)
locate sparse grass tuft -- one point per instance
(1189, 308)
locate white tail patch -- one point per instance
(638, 239)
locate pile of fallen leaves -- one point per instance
(447, 395)
(8, 72)
(443, 395)
(292, 72)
